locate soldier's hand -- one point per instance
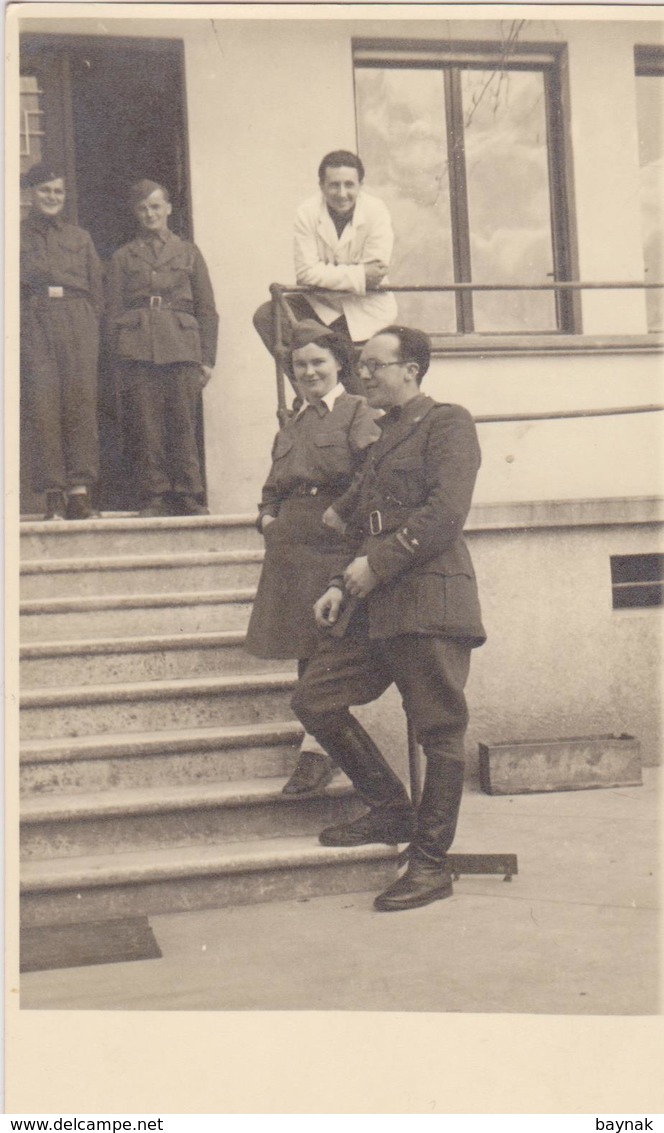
(326, 609)
(374, 272)
(359, 577)
(205, 375)
(331, 519)
(266, 521)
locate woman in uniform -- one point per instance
(314, 458)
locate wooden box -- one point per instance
(524, 767)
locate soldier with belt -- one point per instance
(61, 303)
(163, 328)
(405, 611)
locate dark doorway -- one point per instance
(113, 111)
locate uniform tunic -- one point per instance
(314, 458)
(406, 510)
(61, 302)
(162, 325)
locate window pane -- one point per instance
(403, 143)
(509, 203)
(31, 129)
(650, 111)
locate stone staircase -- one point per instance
(153, 747)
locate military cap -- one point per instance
(308, 330)
(144, 188)
(41, 173)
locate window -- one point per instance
(636, 581)
(31, 128)
(465, 148)
(650, 116)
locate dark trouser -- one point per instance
(60, 349)
(161, 403)
(302, 309)
(430, 673)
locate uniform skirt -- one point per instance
(301, 555)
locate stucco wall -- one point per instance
(559, 661)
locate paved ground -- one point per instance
(575, 933)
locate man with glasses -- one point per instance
(405, 611)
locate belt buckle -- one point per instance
(375, 522)
(56, 292)
(313, 491)
(155, 302)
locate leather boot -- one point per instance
(390, 817)
(424, 881)
(427, 877)
(438, 812)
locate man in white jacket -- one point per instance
(343, 242)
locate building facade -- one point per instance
(521, 152)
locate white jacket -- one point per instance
(323, 259)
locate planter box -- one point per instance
(575, 764)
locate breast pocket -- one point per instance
(403, 483)
(332, 453)
(72, 249)
(282, 445)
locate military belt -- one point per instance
(58, 291)
(315, 490)
(380, 521)
(160, 302)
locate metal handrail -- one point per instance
(280, 311)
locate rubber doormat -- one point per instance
(47, 947)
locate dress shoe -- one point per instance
(56, 507)
(189, 505)
(154, 508)
(423, 882)
(313, 772)
(79, 506)
(386, 824)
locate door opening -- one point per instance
(112, 111)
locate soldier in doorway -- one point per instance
(163, 328)
(61, 304)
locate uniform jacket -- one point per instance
(321, 447)
(323, 259)
(414, 492)
(54, 253)
(185, 327)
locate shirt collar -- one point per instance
(405, 412)
(38, 220)
(329, 399)
(156, 238)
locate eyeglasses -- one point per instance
(373, 367)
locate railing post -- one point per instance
(277, 325)
(414, 765)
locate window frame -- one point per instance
(452, 58)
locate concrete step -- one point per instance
(173, 758)
(196, 877)
(141, 705)
(140, 574)
(53, 664)
(62, 619)
(129, 535)
(167, 817)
